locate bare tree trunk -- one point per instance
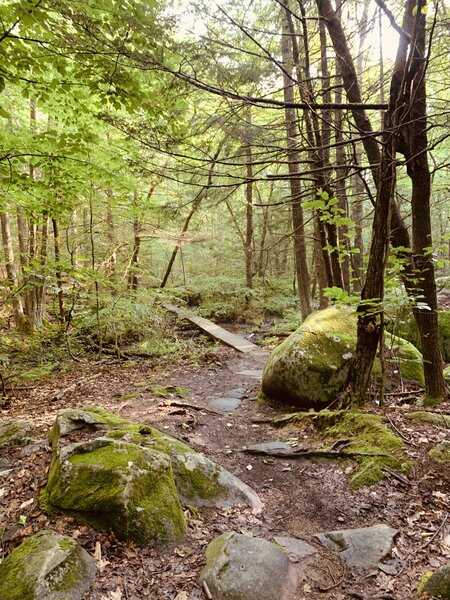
(249, 258)
(301, 264)
(11, 269)
(111, 237)
(133, 276)
(58, 274)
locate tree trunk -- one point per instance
(58, 274)
(301, 264)
(11, 270)
(249, 212)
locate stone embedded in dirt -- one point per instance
(441, 452)
(239, 393)
(310, 367)
(131, 477)
(296, 549)
(14, 432)
(436, 584)
(267, 447)
(202, 482)
(239, 567)
(46, 566)
(225, 404)
(121, 486)
(361, 548)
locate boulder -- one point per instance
(46, 566)
(310, 367)
(239, 567)
(121, 486)
(436, 584)
(14, 432)
(132, 477)
(361, 548)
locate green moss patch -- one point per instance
(365, 434)
(433, 418)
(441, 452)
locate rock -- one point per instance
(14, 432)
(296, 549)
(436, 584)
(46, 566)
(441, 452)
(239, 567)
(121, 486)
(225, 404)
(447, 375)
(239, 393)
(268, 447)
(407, 329)
(131, 478)
(310, 367)
(361, 548)
(202, 482)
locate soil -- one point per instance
(301, 497)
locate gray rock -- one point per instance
(202, 482)
(268, 447)
(239, 392)
(14, 432)
(71, 419)
(46, 566)
(296, 549)
(253, 373)
(225, 404)
(239, 567)
(438, 584)
(310, 367)
(361, 548)
(121, 486)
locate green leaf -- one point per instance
(4, 113)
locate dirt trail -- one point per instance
(300, 497)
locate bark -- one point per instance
(11, 269)
(58, 274)
(111, 237)
(133, 277)
(301, 264)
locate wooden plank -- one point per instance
(219, 333)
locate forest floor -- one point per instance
(301, 497)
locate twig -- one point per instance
(333, 585)
(206, 590)
(396, 475)
(63, 392)
(436, 533)
(404, 438)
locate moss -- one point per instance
(27, 571)
(425, 577)
(441, 452)
(217, 553)
(120, 486)
(437, 419)
(310, 367)
(197, 481)
(167, 390)
(366, 434)
(13, 432)
(436, 584)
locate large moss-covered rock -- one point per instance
(310, 367)
(121, 486)
(132, 477)
(46, 566)
(441, 452)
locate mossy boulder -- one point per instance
(46, 566)
(310, 367)
(14, 432)
(437, 584)
(132, 477)
(121, 486)
(441, 452)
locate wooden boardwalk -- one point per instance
(219, 333)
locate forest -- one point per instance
(224, 299)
